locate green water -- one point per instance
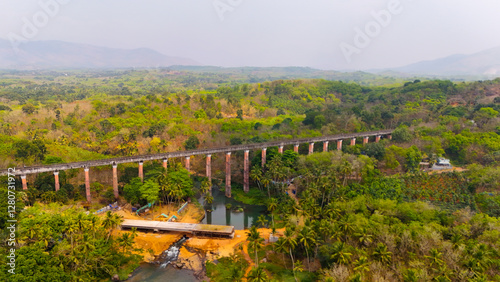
(222, 216)
(153, 273)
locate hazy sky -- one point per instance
(326, 34)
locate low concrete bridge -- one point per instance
(140, 159)
(195, 229)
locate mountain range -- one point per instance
(53, 54)
(59, 54)
(485, 64)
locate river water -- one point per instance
(222, 216)
(219, 216)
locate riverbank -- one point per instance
(152, 244)
(196, 251)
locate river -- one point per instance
(222, 216)
(219, 216)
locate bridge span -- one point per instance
(140, 159)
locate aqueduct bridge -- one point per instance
(140, 159)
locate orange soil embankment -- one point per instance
(214, 248)
(159, 242)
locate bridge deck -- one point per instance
(167, 155)
(193, 228)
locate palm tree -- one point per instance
(262, 221)
(281, 247)
(345, 170)
(110, 222)
(290, 242)
(364, 238)
(256, 175)
(206, 186)
(272, 205)
(307, 237)
(254, 242)
(126, 241)
(435, 258)
(93, 222)
(209, 199)
(381, 254)
(298, 268)
(340, 253)
(257, 275)
(361, 264)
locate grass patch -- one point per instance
(227, 268)
(124, 272)
(253, 197)
(282, 274)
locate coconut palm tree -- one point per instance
(298, 268)
(262, 221)
(381, 254)
(254, 242)
(272, 205)
(126, 241)
(257, 275)
(256, 175)
(340, 254)
(290, 242)
(307, 238)
(281, 247)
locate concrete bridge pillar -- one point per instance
(280, 149)
(353, 141)
(377, 138)
(56, 180)
(208, 167)
(264, 150)
(339, 145)
(24, 182)
(311, 148)
(389, 136)
(165, 164)
(365, 140)
(246, 172)
(296, 148)
(115, 180)
(228, 174)
(141, 170)
(187, 163)
(87, 184)
(325, 146)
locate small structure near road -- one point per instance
(442, 163)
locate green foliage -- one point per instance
(132, 192)
(150, 191)
(26, 150)
(413, 158)
(227, 269)
(192, 143)
(375, 150)
(402, 134)
(66, 245)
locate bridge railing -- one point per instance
(180, 154)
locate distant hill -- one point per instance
(485, 64)
(59, 54)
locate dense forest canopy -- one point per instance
(365, 212)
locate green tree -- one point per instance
(192, 143)
(29, 109)
(254, 242)
(413, 158)
(150, 191)
(257, 275)
(402, 134)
